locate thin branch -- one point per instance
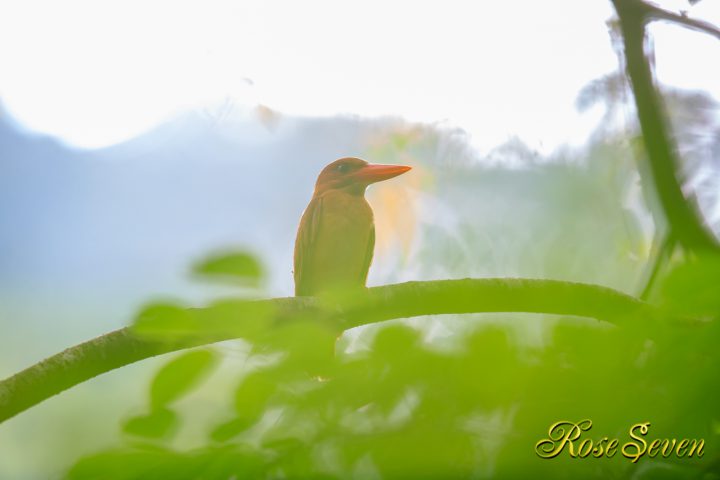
(664, 250)
(654, 12)
(121, 347)
(686, 224)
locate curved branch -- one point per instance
(686, 224)
(122, 347)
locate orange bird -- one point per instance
(336, 238)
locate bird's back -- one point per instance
(335, 243)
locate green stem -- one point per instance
(121, 347)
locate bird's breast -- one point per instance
(345, 229)
(339, 249)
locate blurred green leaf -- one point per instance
(236, 318)
(235, 267)
(164, 321)
(120, 464)
(425, 451)
(224, 462)
(252, 396)
(693, 288)
(228, 430)
(309, 346)
(159, 423)
(296, 460)
(180, 375)
(394, 342)
(222, 319)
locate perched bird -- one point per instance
(336, 237)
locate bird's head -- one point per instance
(354, 175)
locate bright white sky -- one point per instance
(96, 72)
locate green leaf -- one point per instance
(163, 320)
(252, 396)
(223, 318)
(310, 347)
(228, 430)
(395, 341)
(235, 461)
(236, 318)
(694, 287)
(160, 423)
(235, 267)
(180, 375)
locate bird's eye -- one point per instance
(342, 168)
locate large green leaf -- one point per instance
(180, 375)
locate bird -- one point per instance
(336, 236)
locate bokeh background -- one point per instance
(137, 137)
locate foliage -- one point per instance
(389, 402)
(238, 266)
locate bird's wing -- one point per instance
(305, 240)
(370, 249)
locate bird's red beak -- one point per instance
(376, 173)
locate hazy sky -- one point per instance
(95, 73)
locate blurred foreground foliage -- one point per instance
(398, 400)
